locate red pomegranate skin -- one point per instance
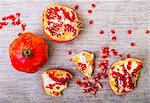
(28, 53)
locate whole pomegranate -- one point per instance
(28, 53)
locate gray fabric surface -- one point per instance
(18, 87)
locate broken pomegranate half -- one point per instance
(123, 75)
(60, 23)
(55, 81)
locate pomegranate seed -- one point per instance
(55, 93)
(113, 31)
(17, 14)
(89, 84)
(120, 55)
(104, 56)
(129, 31)
(12, 17)
(57, 87)
(95, 79)
(19, 34)
(105, 75)
(18, 22)
(94, 92)
(87, 90)
(114, 38)
(69, 52)
(101, 32)
(78, 81)
(84, 90)
(91, 22)
(147, 31)
(90, 11)
(85, 78)
(83, 84)
(99, 75)
(1, 27)
(132, 44)
(71, 60)
(76, 6)
(4, 18)
(128, 55)
(93, 5)
(23, 27)
(99, 85)
(13, 23)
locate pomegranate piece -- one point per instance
(84, 62)
(124, 74)
(61, 24)
(55, 81)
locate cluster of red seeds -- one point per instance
(13, 19)
(104, 62)
(90, 86)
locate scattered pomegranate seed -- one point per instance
(70, 60)
(57, 87)
(93, 5)
(13, 20)
(129, 31)
(105, 75)
(113, 31)
(4, 18)
(85, 78)
(23, 27)
(95, 79)
(69, 52)
(128, 55)
(120, 55)
(18, 22)
(17, 14)
(115, 53)
(19, 34)
(13, 23)
(101, 31)
(91, 22)
(76, 6)
(132, 44)
(90, 11)
(84, 84)
(114, 38)
(147, 31)
(78, 81)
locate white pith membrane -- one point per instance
(87, 59)
(57, 88)
(61, 28)
(127, 81)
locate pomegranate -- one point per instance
(28, 53)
